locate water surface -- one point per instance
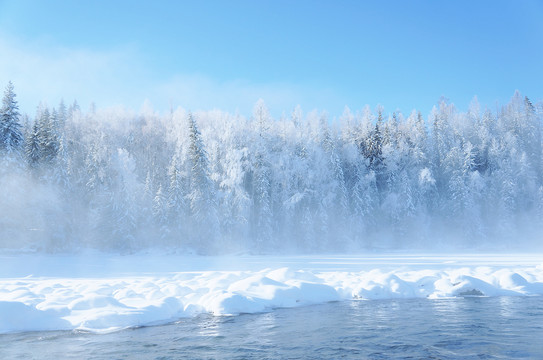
(468, 328)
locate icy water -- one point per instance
(466, 328)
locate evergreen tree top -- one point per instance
(9, 104)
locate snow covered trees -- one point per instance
(212, 180)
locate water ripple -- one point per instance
(467, 328)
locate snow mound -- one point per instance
(138, 298)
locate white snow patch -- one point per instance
(107, 293)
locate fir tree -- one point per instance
(32, 147)
(11, 136)
(202, 193)
(160, 212)
(47, 136)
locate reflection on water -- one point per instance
(507, 310)
(491, 328)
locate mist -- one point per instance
(212, 182)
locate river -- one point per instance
(465, 327)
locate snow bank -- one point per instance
(140, 293)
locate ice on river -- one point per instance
(103, 293)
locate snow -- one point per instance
(103, 293)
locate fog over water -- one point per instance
(214, 182)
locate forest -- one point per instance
(213, 182)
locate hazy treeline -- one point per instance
(218, 182)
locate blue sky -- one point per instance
(228, 54)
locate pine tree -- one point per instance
(62, 115)
(202, 195)
(74, 111)
(263, 211)
(336, 203)
(11, 136)
(160, 212)
(60, 170)
(119, 220)
(158, 204)
(177, 207)
(364, 201)
(32, 147)
(48, 136)
(374, 153)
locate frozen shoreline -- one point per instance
(103, 293)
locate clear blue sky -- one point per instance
(228, 54)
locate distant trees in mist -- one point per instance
(216, 182)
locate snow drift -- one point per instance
(67, 292)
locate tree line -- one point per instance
(213, 182)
